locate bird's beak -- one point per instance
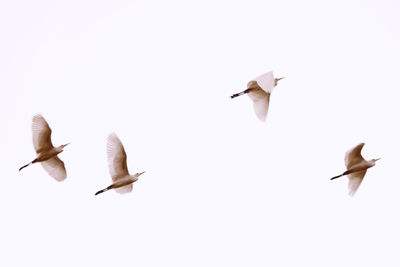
(277, 79)
(66, 144)
(377, 159)
(140, 173)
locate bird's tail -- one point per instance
(241, 93)
(337, 176)
(101, 191)
(25, 166)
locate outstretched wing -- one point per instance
(266, 81)
(116, 157)
(41, 134)
(55, 168)
(353, 156)
(260, 102)
(355, 180)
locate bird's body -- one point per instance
(45, 155)
(124, 185)
(356, 167)
(259, 90)
(45, 151)
(122, 180)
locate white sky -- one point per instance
(221, 188)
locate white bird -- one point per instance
(46, 152)
(259, 90)
(122, 180)
(356, 167)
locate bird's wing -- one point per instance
(55, 168)
(124, 189)
(266, 81)
(116, 157)
(353, 156)
(41, 134)
(355, 180)
(260, 103)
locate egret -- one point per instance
(116, 156)
(259, 90)
(46, 152)
(356, 168)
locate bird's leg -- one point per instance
(101, 191)
(33, 161)
(338, 176)
(104, 190)
(348, 172)
(345, 173)
(241, 93)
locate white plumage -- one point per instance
(259, 90)
(356, 167)
(116, 156)
(46, 152)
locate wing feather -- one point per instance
(41, 134)
(355, 180)
(260, 102)
(353, 156)
(266, 81)
(116, 157)
(55, 168)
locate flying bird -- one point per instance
(259, 90)
(46, 152)
(356, 167)
(116, 156)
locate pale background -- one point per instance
(221, 188)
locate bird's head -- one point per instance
(277, 79)
(62, 146)
(139, 173)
